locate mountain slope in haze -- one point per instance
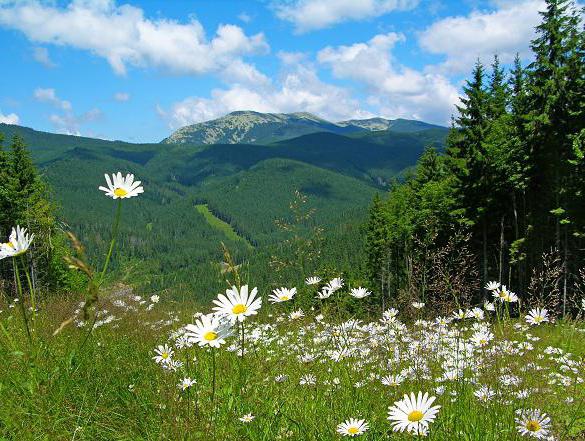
(247, 127)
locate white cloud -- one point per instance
(245, 17)
(505, 31)
(50, 96)
(124, 37)
(396, 90)
(299, 89)
(11, 118)
(70, 124)
(308, 15)
(122, 96)
(41, 55)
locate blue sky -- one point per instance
(137, 70)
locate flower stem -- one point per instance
(115, 228)
(21, 299)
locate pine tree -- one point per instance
(376, 241)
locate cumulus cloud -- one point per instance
(122, 96)
(50, 96)
(41, 55)
(462, 39)
(11, 118)
(308, 15)
(70, 124)
(299, 89)
(125, 37)
(396, 90)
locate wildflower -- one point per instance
(154, 298)
(325, 293)
(308, 379)
(209, 330)
(335, 284)
(478, 313)
(484, 394)
(505, 295)
(312, 280)
(352, 427)
(18, 243)
(392, 380)
(238, 304)
(461, 315)
(360, 293)
(120, 187)
(489, 306)
(295, 315)
(186, 383)
(282, 295)
(482, 338)
(247, 418)
(532, 422)
(418, 305)
(492, 286)
(413, 413)
(163, 355)
(536, 316)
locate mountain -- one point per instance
(247, 127)
(395, 125)
(195, 193)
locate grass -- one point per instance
(219, 224)
(113, 390)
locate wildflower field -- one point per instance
(258, 364)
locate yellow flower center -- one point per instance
(120, 192)
(538, 319)
(210, 336)
(353, 430)
(415, 415)
(483, 342)
(240, 308)
(533, 426)
(9, 245)
(165, 355)
(284, 298)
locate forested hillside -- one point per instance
(172, 244)
(506, 199)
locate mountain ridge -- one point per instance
(250, 127)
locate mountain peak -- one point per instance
(251, 127)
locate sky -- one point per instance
(137, 70)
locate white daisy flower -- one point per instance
(360, 293)
(413, 413)
(418, 305)
(352, 427)
(533, 423)
(536, 316)
(18, 243)
(492, 286)
(238, 304)
(154, 298)
(120, 187)
(295, 315)
(247, 418)
(164, 354)
(209, 330)
(312, 280)
(282, 295)
(186, 383)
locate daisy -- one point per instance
(489, 306)
(238, 304)
(335, 284)
(492, 286)
(295, 315)
(482, 338)
(532, 422)
(484, 394)
(418, 305)
(505, 295)
(308, 379)
(282, 295)
(312, 280)
(392, 380)
(536, 316)
(120, 187)
(325, 293)
(186, 383)
(18, 243)
(359, 293)
(247, 418)
(154, 298)
(164, 354)
(413, 413)
(209, 330)
(352, 427)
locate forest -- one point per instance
(506, 199)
